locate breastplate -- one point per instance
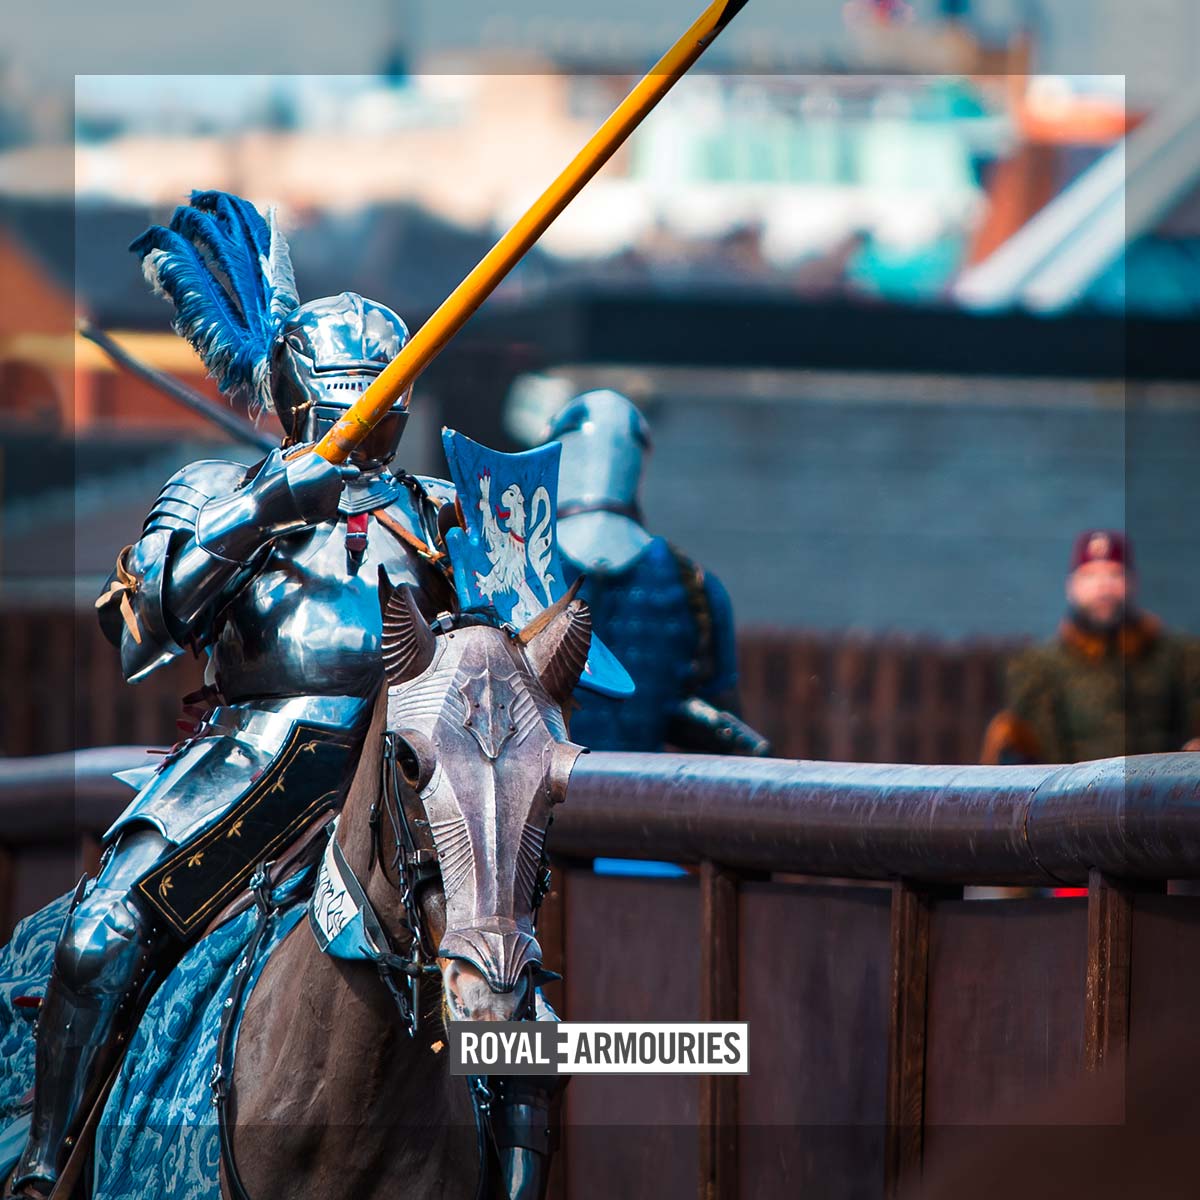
(308, 623)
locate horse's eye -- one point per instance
(414, 759)
(409, 763)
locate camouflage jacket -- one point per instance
(1082, 696)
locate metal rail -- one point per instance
(1132, 818)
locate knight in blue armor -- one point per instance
(272, 573)
(668, 621)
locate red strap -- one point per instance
(356, 532)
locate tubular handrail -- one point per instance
(1132, 818)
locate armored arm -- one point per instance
(699, 727)
(203, 539)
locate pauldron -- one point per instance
(134, 614)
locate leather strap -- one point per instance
(356, 535)
(82, 1151)
(293, 856)
(691, 575)
(221, 1081)
(409, 539)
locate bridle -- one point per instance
(414, 863)
(412, 867)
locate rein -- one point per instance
(342, 918)
(373, 945)
(413, 866)
(221, 1080)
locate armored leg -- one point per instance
(101, 967)
(526, 1125)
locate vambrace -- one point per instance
(148, 641)
(284, 496)
(140, 610)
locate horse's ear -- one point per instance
(408, 643)
(556, 643)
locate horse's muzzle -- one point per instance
(498, 950)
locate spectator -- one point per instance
(1112, 682)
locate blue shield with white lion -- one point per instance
(506, 558)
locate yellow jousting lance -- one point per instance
(454, 311)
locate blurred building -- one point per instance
(772, 265)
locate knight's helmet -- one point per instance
(605, 441)
(228, 272)
(324, 357)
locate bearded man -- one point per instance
(1113, 681)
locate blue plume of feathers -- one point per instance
(228, 273)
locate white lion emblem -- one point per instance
(511, 550)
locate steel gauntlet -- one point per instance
(698, 727)
(285, 496)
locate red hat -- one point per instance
(1101, 545)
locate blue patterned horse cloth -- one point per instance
(158, 1134)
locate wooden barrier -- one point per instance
(886, 698)
(63, 687)
(824, 696)
(891, 1017)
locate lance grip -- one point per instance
(391, 383)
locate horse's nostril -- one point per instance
(471, 997)
(499, 956)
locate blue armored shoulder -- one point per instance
(183, 495)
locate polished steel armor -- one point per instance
(491, 754)
(322, 360)
(291, 624)
(253, 568)
(667, 619)
(273, 574)
(476, 717)
(102, 966)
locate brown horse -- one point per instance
(331, 1096)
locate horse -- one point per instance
(340, 1085)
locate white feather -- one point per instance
(278, 275)
(150, 272)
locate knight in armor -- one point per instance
(271, 572)
(667, 620)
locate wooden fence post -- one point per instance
(1109, 954)
(904, 1139)
(718, 1002)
